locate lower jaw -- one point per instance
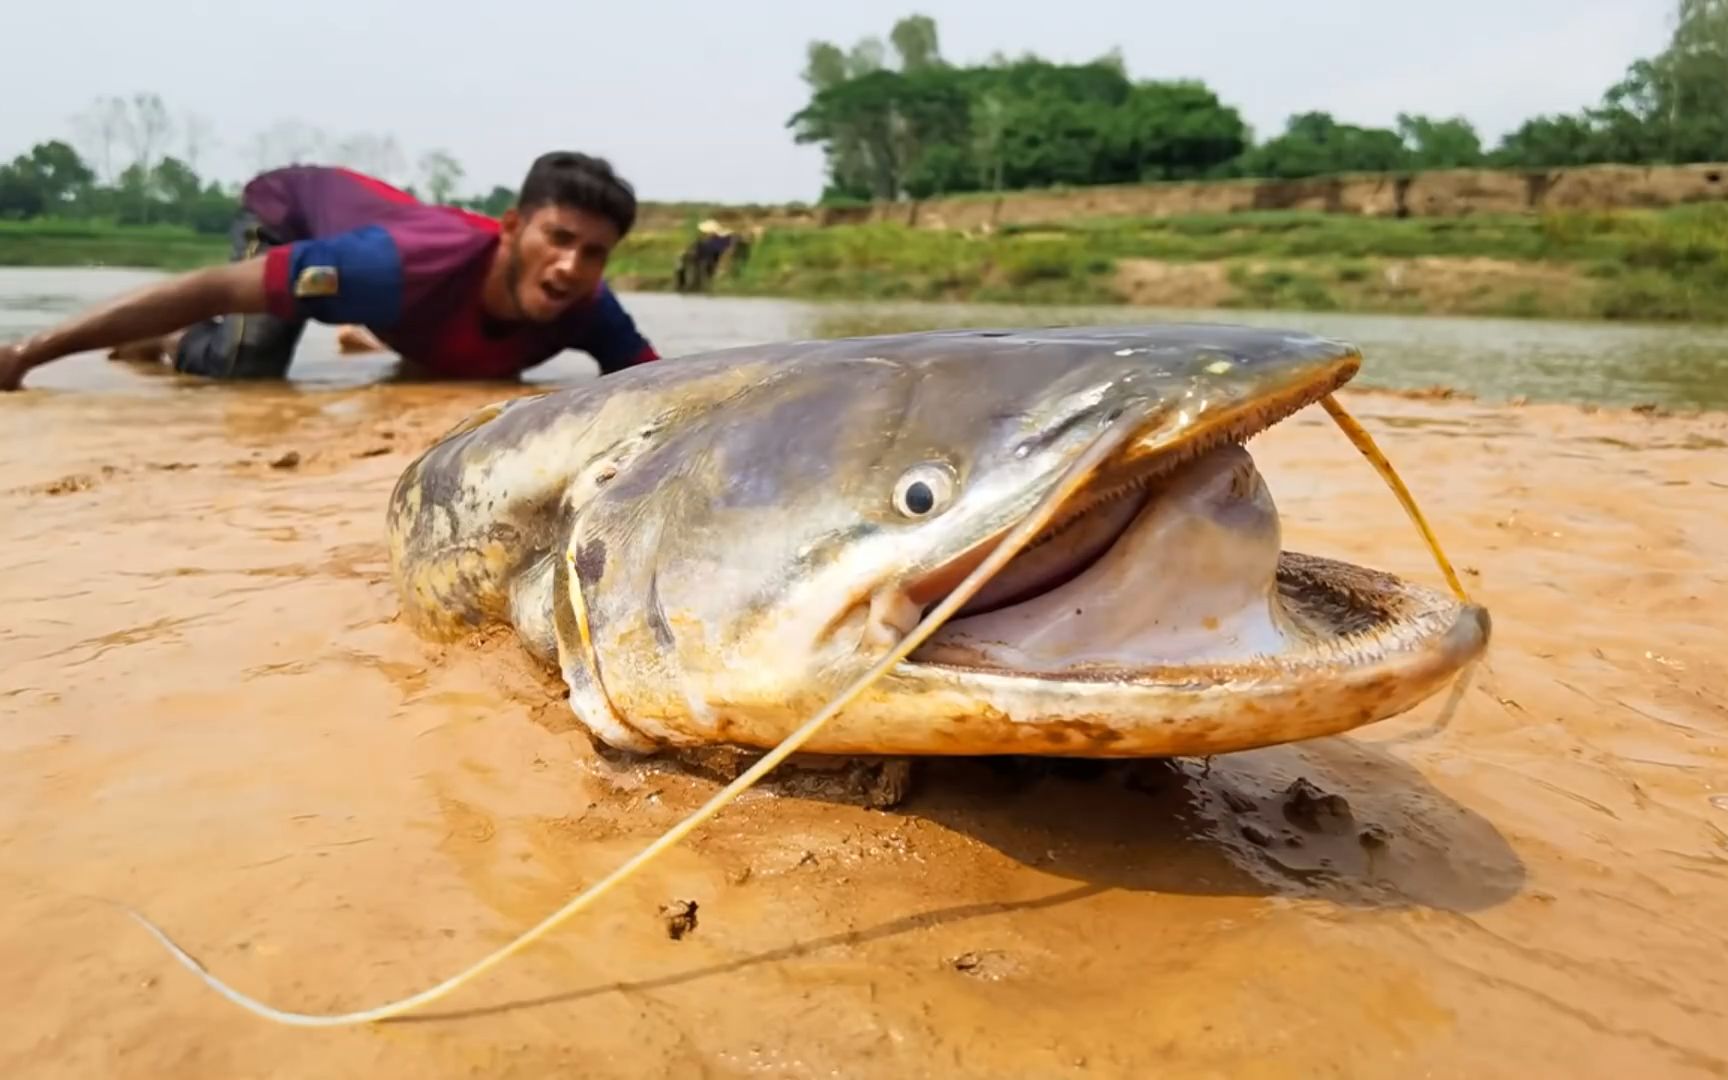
(1357, 646)
(1331, 617)
(1317, 688)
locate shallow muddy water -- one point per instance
(209, 711)
(1495, 359)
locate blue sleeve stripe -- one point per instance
(352, 277)
(612, 338)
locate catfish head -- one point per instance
(733, 574)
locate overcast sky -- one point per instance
(690, 99)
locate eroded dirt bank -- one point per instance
(1425, 193)
(208, 711)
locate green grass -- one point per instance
(47, 242)
(1668, 265)
(888, 262)
(1281, 289)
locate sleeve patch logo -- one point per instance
(315, 281)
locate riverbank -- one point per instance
(214, 714)
(1663, 265)
(1669, 265)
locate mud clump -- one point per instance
(1236, 801)
(1310, 808)
(76, 482)
(66, 485)
(1257, 834)
(1374, 836)
(876, 784)
(679, 917)
(991, 965)
(884, 785)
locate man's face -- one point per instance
(557, 254)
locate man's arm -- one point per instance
(612, 339)
(351, 277)
(151, 311)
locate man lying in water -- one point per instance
(457, 294)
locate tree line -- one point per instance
(133, 162)
(895, 119)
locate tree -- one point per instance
(173, 181)
(915, 41)
(1174, 130)
(931, 127)
(1545, 141)
(196, 136)
(1315, 144)
(498, 200)
(1678, 93)
(1665, 108)
(442, 173)
(98, 128)
(867, 56)
(989, 132)
(287, 142)
(825, 65)
(375, 155)
(59, 170)
(1451, 143)
(147, 129)
(47, 181)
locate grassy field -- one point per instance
(79, 243)
(1668, 265)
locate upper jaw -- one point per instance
(1170, 432)
(1303, 615)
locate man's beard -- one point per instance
(513, 279)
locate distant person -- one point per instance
(701, 260)
(455, 293)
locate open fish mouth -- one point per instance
(1168, 568)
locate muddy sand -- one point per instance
(209, 711)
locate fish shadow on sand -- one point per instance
(1337, 820)
(1340, 818)
(1333, 819)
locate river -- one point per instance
(210, 710)
(1495, 359)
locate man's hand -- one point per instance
(13, 365)
(358, 339)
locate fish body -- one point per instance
(710, 548)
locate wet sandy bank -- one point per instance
(208, 711)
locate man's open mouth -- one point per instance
(1168, 568)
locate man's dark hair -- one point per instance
(565, 178)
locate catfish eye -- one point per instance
(923, 490)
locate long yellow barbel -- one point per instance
(1074, 477)
(1107, 443)
(1358, 435)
